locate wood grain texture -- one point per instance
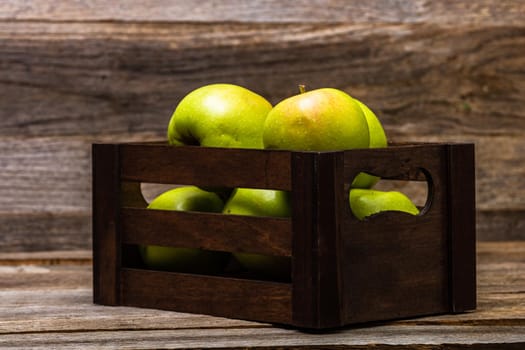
(66, 257)
(48, 175)
(61, 315)
(422, 79)
(267, 11)
(230, 297)
(45, 231)
(236, 233)
(72, 73)
(203, 166)
(482, 338)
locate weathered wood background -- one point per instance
(72, 73)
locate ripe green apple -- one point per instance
(259, 202)
(377, 140)
(187, 198)
(219, 115)
(367, 202)
(319, 120)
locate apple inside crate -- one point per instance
(343, 270)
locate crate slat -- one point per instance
(233, 233)
(205, 166)
(398, 162)
(221, 296)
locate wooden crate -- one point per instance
(344, 271)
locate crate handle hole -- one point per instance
(419, 191)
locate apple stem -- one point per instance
(302, 88)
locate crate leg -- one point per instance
(106, 236)
(462, 227)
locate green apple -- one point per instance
(187, 198)
(367, 202)
(219, 115)
(259, 202)
(377, 133)
(319, 120)
(377, 140)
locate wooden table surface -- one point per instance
(46, 302)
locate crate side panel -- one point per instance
(218, 296)
(394, 266)
(204, 166)
(233, 233)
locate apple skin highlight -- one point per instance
(319, 120)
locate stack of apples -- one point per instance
(226, 115)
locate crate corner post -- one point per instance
(106, 235)
(317, 188)
(462, 226)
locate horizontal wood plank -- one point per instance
(72, 310)
(44, 231)
(384, 338)
(49, 175)
(273, 11)
(421, 79)
(37, 278)
(401, 162)
(232, 297)
(54, 257)
(61, 315)
(231, 233)
(205, 166)
(493, 225)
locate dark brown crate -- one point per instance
(344, 271)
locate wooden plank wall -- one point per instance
(75, 72)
